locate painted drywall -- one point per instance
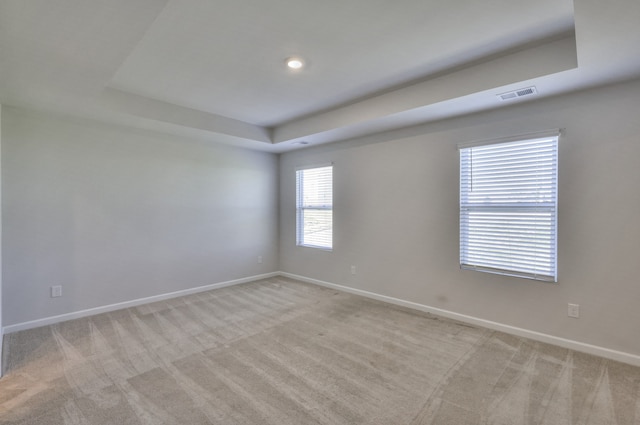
(115, 214)
(396, 218)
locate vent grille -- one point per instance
(528, 91)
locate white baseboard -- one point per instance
(525, 333)
(607, 353)
(126, 304)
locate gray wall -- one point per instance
(115, 214)
(396, 218)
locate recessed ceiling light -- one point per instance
(295, 62)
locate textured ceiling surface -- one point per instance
(215, 69)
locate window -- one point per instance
(314, 207)
(508, 207)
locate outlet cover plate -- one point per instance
(574, 310)
(56, 291)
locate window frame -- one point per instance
(543, 210)
(301, 208)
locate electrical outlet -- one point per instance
(353, 269)
(574, 310)
(56, 291)
(259, 259)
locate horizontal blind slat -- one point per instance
(508, 195)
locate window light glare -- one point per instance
(295, 63)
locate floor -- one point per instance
(278, 351)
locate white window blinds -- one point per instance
(314, 207)
(508, 208)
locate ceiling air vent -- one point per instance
(518, 93)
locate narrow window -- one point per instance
(314, 207)
(508, 208)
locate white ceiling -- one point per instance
(214, 69)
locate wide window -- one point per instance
(508, 207)
(314, 207)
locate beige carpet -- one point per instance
(283, 352)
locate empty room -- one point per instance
(320, 212)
